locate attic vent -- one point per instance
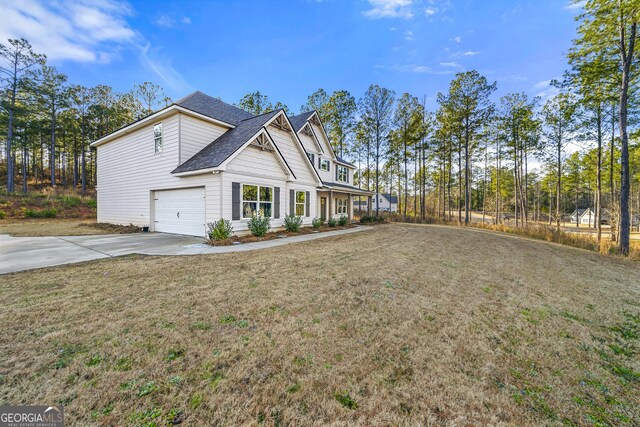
(262, 142)
(281, 123)
(307, 130)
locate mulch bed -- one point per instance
(275, 235)
(113, 228)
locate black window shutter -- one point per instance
(307, 199)
(319, 163)
(347, 176)
(336, 174)
(328, 165)
(292, 202)
(276, 202)
(235, 200)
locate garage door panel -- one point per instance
(180, 211)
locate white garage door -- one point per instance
(180, 211)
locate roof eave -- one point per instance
(165, 112)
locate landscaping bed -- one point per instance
(235, 240)
(113, 228)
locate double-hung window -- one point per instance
(341, 206)
(343, 174)
(324, 165)
(301, 203)
(157, 137)
(256, 199)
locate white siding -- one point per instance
(195, 134)
(129, 170)
(294, 154)
(253, 161)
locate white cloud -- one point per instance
(545, 89)
(542, 85)
(408, 36)
(575, 5)
(430, 11)
(450, 64)
(389, 9)
(161, 65)
(168, 21)
(78, 30)
(470, 53)
(457, 39)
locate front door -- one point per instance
(323, 209)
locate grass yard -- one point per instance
(401, 325)
(49, 227)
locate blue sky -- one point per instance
(288, 49)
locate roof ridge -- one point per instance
(259, 115)
(184, 98)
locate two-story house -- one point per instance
(201, 159)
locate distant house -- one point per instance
(587, 217)
(386, 203)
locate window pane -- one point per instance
(265, 209)
(248, 209)
(250, 192)
(300, 196)
(266, 194)
(157, 130)
(299, 209)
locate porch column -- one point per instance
(330, 214)
(349, 208)
(369, 205)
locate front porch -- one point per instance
(338, 201)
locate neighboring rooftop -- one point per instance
(390, 198)
(213, 107)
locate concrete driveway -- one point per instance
(26, 253)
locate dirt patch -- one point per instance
(402, 325)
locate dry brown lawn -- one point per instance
(56, 227)
(401, 325)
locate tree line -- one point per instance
(49, 122)
(515, 157)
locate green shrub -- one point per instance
(368, 219)
(259, 225)
(220, 230)
(332, 222)
(343, 221)
(45, 213)
(317, 222)
(3, 214)
(92, 203)
(292, 223)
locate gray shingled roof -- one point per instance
(214, 154)
(298, 121)
(341, 160)
(392, 199)
(214, 108)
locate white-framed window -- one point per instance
(341, 206)
(157, 137)
(312, 158)
(256, 198)
(343, 174)
(301, 203)
(324, 165)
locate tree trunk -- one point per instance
(598, 201)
